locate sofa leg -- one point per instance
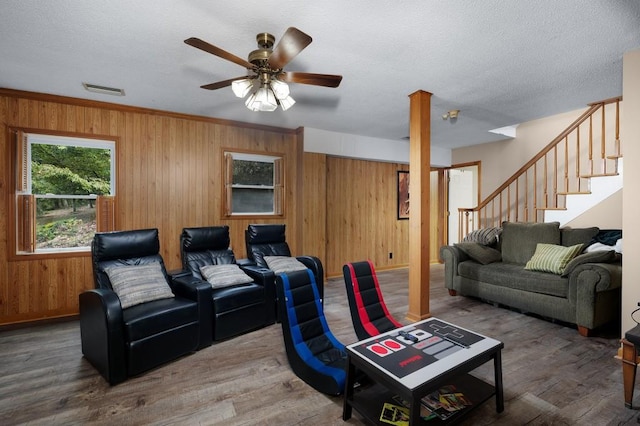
(584, 331)
(452, 292)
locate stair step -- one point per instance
(575, 193)
(599, 175)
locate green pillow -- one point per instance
(480, 253)
(608, 256)
(552, 258)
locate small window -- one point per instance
(64, 192)
(253, 184)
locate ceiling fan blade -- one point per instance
(327, 80)
(292, 42)
(224, 83)
(210, 48)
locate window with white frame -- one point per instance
(65, 192)
(253, 184)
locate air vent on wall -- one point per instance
(103, 89)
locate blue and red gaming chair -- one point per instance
(314, 354)
(369, 314)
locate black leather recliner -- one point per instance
(236, 309)
(270, 240)
(121, 343)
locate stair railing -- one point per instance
(563, 167)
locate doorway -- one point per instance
(463, 191)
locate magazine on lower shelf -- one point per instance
(394, 415)
(445, 402)
(442, 403)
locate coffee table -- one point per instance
(412, 362)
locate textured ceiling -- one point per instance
(501, 62)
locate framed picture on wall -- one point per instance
(403, 194)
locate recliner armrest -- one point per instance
(200, 291)
(245, 262)
(260, 275)
(314, 263)
(102, 333)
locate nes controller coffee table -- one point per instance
(411, 362)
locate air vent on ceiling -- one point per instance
(103, 89)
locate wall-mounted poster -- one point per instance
(403, 194)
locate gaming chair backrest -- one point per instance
(314, 353)
(369, 313)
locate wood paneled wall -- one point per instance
(168, 177)
(315, 206)
(360, 212)
(361, 215)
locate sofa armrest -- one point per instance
(200, 291)
(101, 333)
(597, 291)
(451, 256)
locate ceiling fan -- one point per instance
(266, 78)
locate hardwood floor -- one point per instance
(552, 375)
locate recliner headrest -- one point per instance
(261, 234)
(125, 244)
(205, 238)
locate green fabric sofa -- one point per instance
(587, 292)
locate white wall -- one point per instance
(630, 135)
(501, 159)
(367, 148)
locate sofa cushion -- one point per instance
(485, 236)
(515, 277)
(480, 253)
(570, 237)
(519, 240)
(608, 256)
(136, 284)
(552, 258)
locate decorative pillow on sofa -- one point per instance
(608, 256)
(484, 236)
(480, 253)
(519, 240)
(552, 258)
(225, 275)
(282, 264)
(136, 284)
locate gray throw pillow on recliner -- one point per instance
(519, 240)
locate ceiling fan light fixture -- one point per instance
(242, 87)
(280, 89)
(262, 100)
(286, 103)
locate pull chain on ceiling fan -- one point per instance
(267, 82)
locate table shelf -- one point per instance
(369, 400)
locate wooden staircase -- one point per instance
(588, 148)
